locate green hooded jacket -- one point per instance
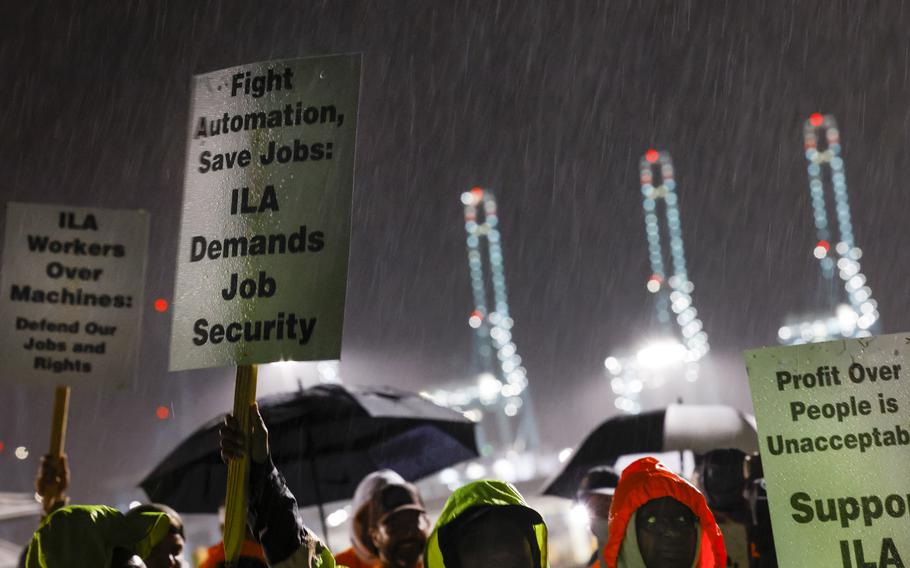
(484, 493)
(86, 535)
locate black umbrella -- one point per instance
(325, 440)
(699, 428)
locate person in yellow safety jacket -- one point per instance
(660, 520)
(487, 524)
(78, 536)
(51, 484)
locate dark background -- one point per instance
(550, 105)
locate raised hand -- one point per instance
(53, 480)
(234, 440)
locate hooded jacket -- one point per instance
(79, 536)
(474, 499)
(362, 504)
(645, 480)
(367, 511)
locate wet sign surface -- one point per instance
(834, 432)
(263, 250)
(72, 294)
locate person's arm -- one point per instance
(271, 507)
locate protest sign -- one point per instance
(263, 247)
(72, 294)
(834, 433)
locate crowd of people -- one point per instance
(647, 517)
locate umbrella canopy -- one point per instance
(678, 427)
(324, 440)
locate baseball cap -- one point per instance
(601, 480)
(380, 494)
(394, 498)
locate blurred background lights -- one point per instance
(474, 415)
(858, 315)
(504, 469)
(21, 453)
(821, 249)
(676, 316)
(488, 387)
(337, 518)
(329, 371)
(475, 471)
(580, 514)
(448, 476)
(662, 353)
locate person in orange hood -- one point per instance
(660, 520)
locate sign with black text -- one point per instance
(834, 433)
(263, 249)
(72, 294)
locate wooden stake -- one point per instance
(58, 436)
(239, 469)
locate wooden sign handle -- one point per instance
(239, 469)
(58, 436)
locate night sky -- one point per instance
(548, 104)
